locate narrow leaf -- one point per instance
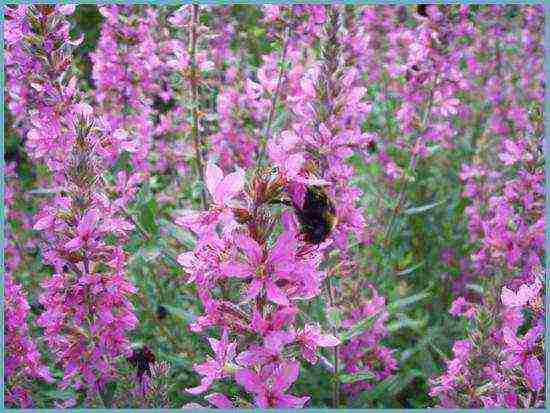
(404, 302)
(410, 269)
(423, 208)
(334, 317)
(476, 287)
(352, 378)
(405, 322)
(358, 328)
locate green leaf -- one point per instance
(147, 215)
(280, 120)
(410, 269)
(58, 394)
(107, 393)
(334, 317)
(398, 385)
(423, 208)
(177, 362)
(358, 328)
(352, 378)
(184, 315)
(434, 149)
(404, 302)
(460, 206)
(258, 31)
(475, 287)
(388, 388)
(378, 390)
(439, 352)
(196, 189)
(404, 322)
(484, 388)
(147, 253)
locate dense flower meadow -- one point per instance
(279, 206)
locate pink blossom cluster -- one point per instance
(327, 107)
(326, 96)
(38, 59)
(125, 66)
(150, 124)
(506, 224)
(241, 108)
(420, 70)
(241, 104)
(364, 353)
(87, 312)
(502, 368)
(87, 309)
(250, 281)
(22, 362)
(17, 243)
(511, 247)
(216, 72)
(346, 100)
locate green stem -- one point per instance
(335, 373)
(275, 96)
(197, 141)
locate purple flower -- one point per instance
(217, 368)
(223, 188)
(269, 386)
(311, 337)
(265, 270)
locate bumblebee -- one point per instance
(142, 358)
(371, 147)
(162, 312)
(422, 9)
(317, 216)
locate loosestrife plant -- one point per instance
(250, 279)
(278, 206)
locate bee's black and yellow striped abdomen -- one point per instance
(317, 216)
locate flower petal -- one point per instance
(205, 384)
(219, 400)
(285, 375)
(231, 186)
(534, 373)
(327, 340)
(250, 381)
(275, 294)
(213, 177)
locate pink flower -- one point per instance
(220, 401)
(67, 9)
(270, 385)
(525, 294)
(534, 373)
(268, 81)
(215, 369)
(22, 361)
(512, 153)
(274, 342)
(223, 188)
(265, 270)
(84, 230)
(461, 307)
(271, 12)
(311, 337)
